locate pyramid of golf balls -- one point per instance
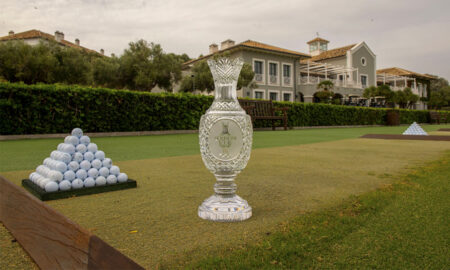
(77, 163)
(415, 129)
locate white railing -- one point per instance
(316, 80)
(273, 79)
(258, 77)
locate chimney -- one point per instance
(213, 48)
(77, 41)
(226, 44)
(59, 36)
(11, 32)
(102, 51)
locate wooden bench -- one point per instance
(264, 110)
(437, 117)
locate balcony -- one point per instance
(316, 80)
(273, 79)
(259, 78)
(287, 80)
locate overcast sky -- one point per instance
(412, 34)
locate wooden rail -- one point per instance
(52, 240)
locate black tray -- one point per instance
(47, 196)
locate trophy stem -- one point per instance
(225, 184)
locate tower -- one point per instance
(317, 46)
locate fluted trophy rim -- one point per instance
(225, 70)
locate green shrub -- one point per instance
(42, 108)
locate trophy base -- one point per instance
(225, 209)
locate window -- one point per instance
(323, 47)
(312, 48)
(363, 61)
(286, 71)
(272, 69)
(258, 67)
(287, 74)
(259, 94)
(286, 97)
(364, 81)
(273, 96)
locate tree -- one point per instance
(145, 65)
(438, 84)
(105, 71)
(405, 98)
(440, 98)
(201, 78)
(325, 85)
(324, 96)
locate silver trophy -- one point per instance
(225, 136)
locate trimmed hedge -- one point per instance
(41, 108)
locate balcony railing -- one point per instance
(258, 77)
(273, 79)
(316, 80)
(287, 80)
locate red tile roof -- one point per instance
(253, 45)
(39, 34)
(403, 72)
(317, 39)
(333, 53)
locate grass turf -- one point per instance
(157, 224)
(401, 226)
(27, 154)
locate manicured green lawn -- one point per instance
(401, 226)
(28, 154)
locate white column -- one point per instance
(384, 78)
(307, 80)
(358, 80)
(406, 82)
(326, 71)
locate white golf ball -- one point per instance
(96, 163)
(123, 177)
(74, 166)
(85, 140)
(93, 172)
(104, 171)
(69, 175)
(92, 147)
(72, 140)
(81, 148)
(107, 162)
(78, 157)
(77, 183)
(56, 176)
(67, 148)
(114, 170)
(111, 179)
(100, 155)
(77, 132)
(44, 182)
(51, 186)
(82, 174)
(85, 165)
(61, 166)
(65, 185)
(100, 181)
(89, 182)
(89, 156)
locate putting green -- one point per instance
(279, 183)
